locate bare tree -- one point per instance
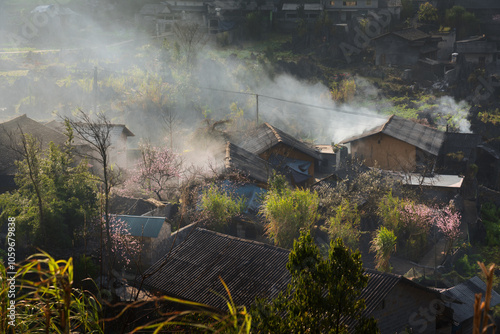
(191, 37)
(97, 134)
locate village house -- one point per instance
(10, 141)
(488, 14)
(251, 269)
(150, 232)
(478, 51)
(225, 15)
(344, 11)
(404, 145)
(311, 11)
(119, 135)
(461, 298)
(192, 269)
(404, 47)
(288, 155)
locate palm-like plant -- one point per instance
(383, 245)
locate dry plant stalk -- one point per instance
(481, 309)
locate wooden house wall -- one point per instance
(386, 152)
(406, 307)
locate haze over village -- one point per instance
(249, 166)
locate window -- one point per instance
(368, 2)
(332, 3)
(350, 3)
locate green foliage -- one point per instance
(367, 187)
(203, 319)
(219, 207)
(321, 294)
(407, 9)
(46, 300)
(467, 265)
(288, 211)
(84, 268)
(410, 223)
(465, 22)
(344, 90)
(253, 25)
(345, 224)
(490, 215)
(427, 13)
(383, 245)
(54, 198)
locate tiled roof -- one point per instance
(411, 34)
(267, 136)
(427, 139)
(464, 293)
(27, 126)
(143, 226)
(475, 47)
(248, 163)
(250, 269)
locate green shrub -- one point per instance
(219, 207)
(490, 216)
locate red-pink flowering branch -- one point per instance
(124, 246)
(448, 222)
(154, 172)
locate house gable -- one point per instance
(385, 152)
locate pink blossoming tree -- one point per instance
(125, 248)
(448, 221)
(154, 172)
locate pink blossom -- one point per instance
(124, 246)
(153, 173)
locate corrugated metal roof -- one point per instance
(143, 226)
(441, 181)
(248, 163)
(427, 139)
(465, 293)
(267, 136)
(250, 269)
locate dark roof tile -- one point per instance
(427, 139)
(250, 269)
(247, 163)
(267, 136)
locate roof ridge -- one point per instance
(276, 134)
(387, 122)
(228, 155)
(232, 237)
